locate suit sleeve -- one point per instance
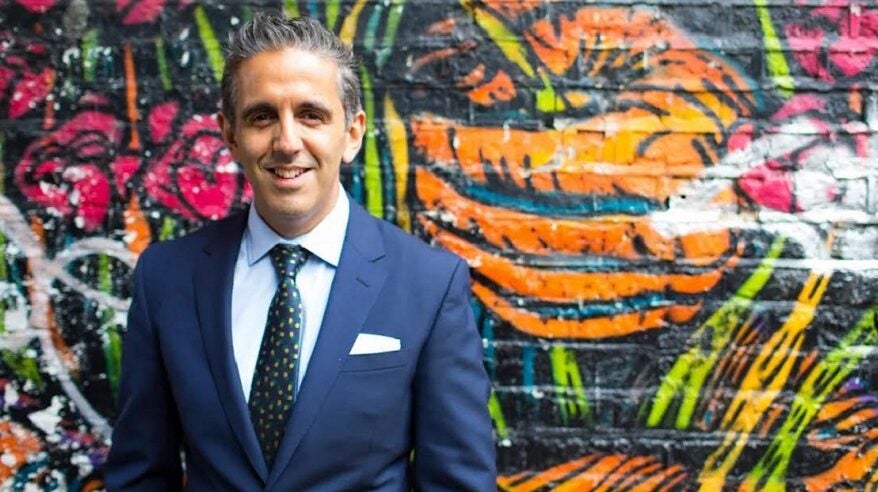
(145, 452)
(454, 446)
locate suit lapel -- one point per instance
(358, 280)
(213, 290)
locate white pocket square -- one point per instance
(369, 343)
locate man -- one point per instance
(303, 345)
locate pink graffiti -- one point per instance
(161, 119)
(139, 11)
(196, 176)
(70, 169)
(769, 187)
(22, 83)
(36, 6)
(846, 32)
(800, 150)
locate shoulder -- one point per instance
(426, 270)
(414, 253)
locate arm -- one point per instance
(454, 446)
(145, 452)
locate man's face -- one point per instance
(289, 134)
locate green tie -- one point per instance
(275, 379)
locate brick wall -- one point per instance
(669, 209)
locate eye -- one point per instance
(311, 116)
(260, 119)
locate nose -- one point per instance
(287, 140)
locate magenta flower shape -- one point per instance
(72, 169)
(25, 77)
(843, 33)
(196, 176)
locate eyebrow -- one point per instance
(315, 106)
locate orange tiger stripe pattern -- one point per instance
(849, 423)
(599, 472)
(556, 219)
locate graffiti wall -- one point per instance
(669, 210)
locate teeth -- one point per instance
(288, 173)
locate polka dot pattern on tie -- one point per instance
(273, 390)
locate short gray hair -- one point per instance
(270, 31)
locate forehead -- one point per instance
(286, 74)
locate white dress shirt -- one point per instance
(255, 283)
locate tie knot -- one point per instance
(288, 259)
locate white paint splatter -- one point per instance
(83, 462)
(48, 418)
(8, 460)
(859, 243)
(10, 396)
(230, 168)
(45, 272)
(15, 316)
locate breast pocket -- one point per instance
(375, 362)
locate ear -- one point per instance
(354, 137)
(227, 131)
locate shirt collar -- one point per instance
(324, 241)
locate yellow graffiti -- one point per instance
(767, 376)
(399, 151)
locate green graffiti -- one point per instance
(112, 344)
(827, 375)
(568, 384)
(162, 61)
(89, 54)
(371, 28)
(692, 368)
(291, 8)
(777, 64)
(112, 353)
(372, 166)
(211, 45)
(333, 7)
(547, 100)
(105, 278)
(393, 16)
(4, 277)
(169, 228)
(23, 364)
(497, 416)
(2, 162)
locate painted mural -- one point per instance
(669, 211)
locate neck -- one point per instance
(294, 226)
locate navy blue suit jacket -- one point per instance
(357, 417)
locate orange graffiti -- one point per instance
(16, 444)
(499, 88)
(136, 227)
(556, 221)
(599, 472)
(851, 420)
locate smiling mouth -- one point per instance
(288, 173)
